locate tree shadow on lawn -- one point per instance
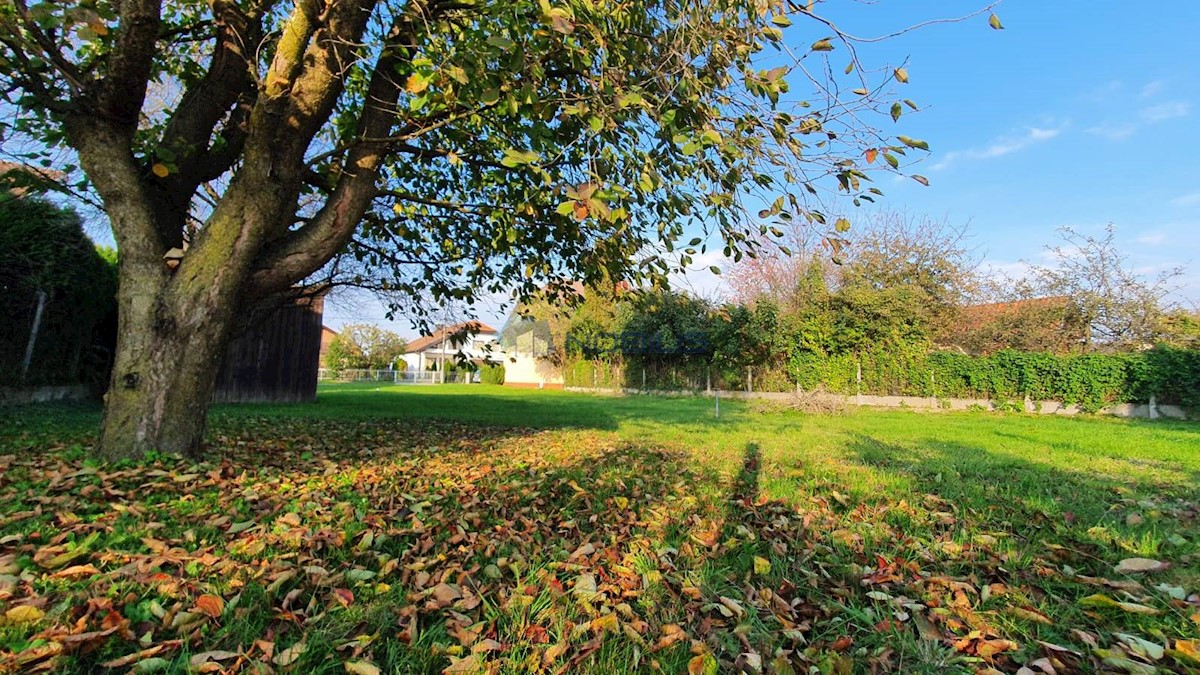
(1035, 503)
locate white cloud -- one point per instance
(1153, 88)
(999, 148)
(1190, 199)
(1152, 238)
(1159, 112)
(1166, 111)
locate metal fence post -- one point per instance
(858, 382)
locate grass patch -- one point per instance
(489, 529)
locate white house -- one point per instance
(474, 340)
(528, 346)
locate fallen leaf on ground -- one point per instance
(1140, 565)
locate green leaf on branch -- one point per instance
(514, 158)
(913, 143)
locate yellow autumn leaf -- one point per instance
(23, 614)
(468, 664)
(362, 668)
(902, 75)
(416, 84)
(159, 169)
(606, 623)
(704, 664)
(761, 565)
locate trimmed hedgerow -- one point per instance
(1090, 381)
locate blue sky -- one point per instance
(1076, 114)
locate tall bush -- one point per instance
(45, 253)
(492, 374)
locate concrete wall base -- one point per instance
(1150, 410)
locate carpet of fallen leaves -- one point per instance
(389, 546)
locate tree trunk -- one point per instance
(169, 349)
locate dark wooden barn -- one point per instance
(275, 360)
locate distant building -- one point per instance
(528, 354)
(327, 336)
(471, 340)
(22, 179)
(275, 359)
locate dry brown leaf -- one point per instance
(290, 655)
(76, 571)
(1140, 566)
(210, 605)
(467, 664)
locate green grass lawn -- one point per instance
(486, 529)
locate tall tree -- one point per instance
(453, 147)
(1118, 305)
(379, 348)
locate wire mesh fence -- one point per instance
(395, 376)
(694, 376)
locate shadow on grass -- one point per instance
(1031, 499)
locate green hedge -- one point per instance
(45, 253)
(598, 374)
(1090, 381)
(492, 374)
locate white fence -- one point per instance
(392, 376)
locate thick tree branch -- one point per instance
(122, 91)
(304, 251)
(228, 77)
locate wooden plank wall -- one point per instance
(275, 361)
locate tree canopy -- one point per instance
(432, 149)
(478, 143)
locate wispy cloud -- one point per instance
(999, 148)
(1166, 111)
(1152, 88)
(1190, 199)
(1152, 238)
(1153, 114)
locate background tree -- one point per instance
(343, 355)
(377, 348)
(441, 147)
(1119, 306)
(1181, 328)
